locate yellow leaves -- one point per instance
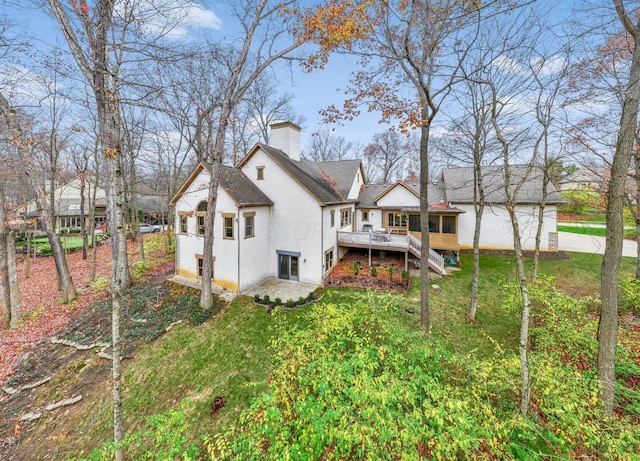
(110, 152)
(335, 24)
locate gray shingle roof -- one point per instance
(240, 188)
(370, 192)
(459, 185)
(343, 171)
(310, 176)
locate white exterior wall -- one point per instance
(496, 231)
(358, 181)
(330, 234)
(255, 250)
(399, 197)
(225, 251)
(295, 219)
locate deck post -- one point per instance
(370, 249)
(406, 262)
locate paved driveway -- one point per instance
(579, 243)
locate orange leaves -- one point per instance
(332, 25)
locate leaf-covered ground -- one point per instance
(44, 312)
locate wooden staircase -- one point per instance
(436, 261)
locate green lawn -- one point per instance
(229, 355)
(68, 243)
(587, 230)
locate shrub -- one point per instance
(394, 395)
(390, 271)
(277, 301)
(404, 274)
(374, 271)
(301, 300)
(356, 268)
(630, 295)
(290, 303)
(267, 299)
(256, 298)
(101, 284)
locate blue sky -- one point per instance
(313, 91)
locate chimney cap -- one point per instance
(277, 125)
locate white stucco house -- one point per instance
(279, 215)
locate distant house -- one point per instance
(278, 215)
(67, 213)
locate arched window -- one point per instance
(201, 212)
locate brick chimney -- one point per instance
(286, 137)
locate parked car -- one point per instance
(150, 228)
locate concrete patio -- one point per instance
(279, 288)
(272, 286)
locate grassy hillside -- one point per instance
(179, 375)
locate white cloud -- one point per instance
(171, 18)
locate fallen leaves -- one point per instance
(44, 312)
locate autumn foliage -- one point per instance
(45, 313)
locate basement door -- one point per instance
(288, 265)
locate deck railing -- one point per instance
(392, 241)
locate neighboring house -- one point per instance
(278, 215)
(587, 179)
(67, 205)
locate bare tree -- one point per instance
(388, 152)
(326, 146)
(261, 21)
(23, 143)
(608, 327)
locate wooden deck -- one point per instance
(391, 242)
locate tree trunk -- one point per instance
(478, 205)
(62, 268)
(425, 317)
(5, 286)
(475, 276)
(14, 288)
(608, 327)
(9, 289)
(83, 219)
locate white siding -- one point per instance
(225, 251)
(298, 222)
(358, 181)
(255, 251)
(496, 231)
(399, 197)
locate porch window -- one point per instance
(434, 224)
(414, 223)
(448, 224)
(227, 222)
(249, 230)
(397, 220)
(201, 212)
